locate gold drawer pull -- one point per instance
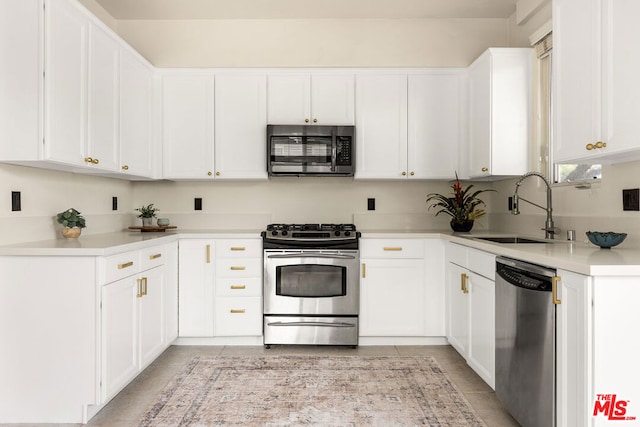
(238, 268)
(238, 249)
(236, 311)
(139, 294)
(392, 248)
(125, 265)
(463, 283)
(554, 290)
(156, 256)
(208, 254)
(238, 287)
(364, 270)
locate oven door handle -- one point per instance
(325, 324)
(307, 255)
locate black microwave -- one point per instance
(310, 150)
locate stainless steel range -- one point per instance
(311, 284)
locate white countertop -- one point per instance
(579, 257)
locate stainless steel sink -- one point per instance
(511, 240)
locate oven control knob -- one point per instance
(274, 233)
(285, 232)
(347, 233)
(336, 233)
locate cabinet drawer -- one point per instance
(242, 267)
(122, 265)
(239, 248)
(239, 287)
(456, 254)
(481, 262)
(391, 248)
(238, 316)
(152, 257)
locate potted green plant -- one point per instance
(72, 222)
(463, 205)
(147, 213)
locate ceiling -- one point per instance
(306, 9)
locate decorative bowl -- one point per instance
(605, 240)
(163, 222)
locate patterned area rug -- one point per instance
(311, 390)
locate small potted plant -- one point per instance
(463, 206)
(72, 222)
(147, 213)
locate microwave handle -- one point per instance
(334, 150)
(312, 255)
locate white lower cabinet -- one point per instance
(397, 296)
(220, 288)
(133, 318)
(470, 296)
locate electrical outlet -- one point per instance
(16, 204)
(631, 200)
(197, 204)
(371, 204)
(114, 203)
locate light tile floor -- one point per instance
(128, 406)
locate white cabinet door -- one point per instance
(240, 123)
(500, 82)
(458, 308)
(119, 335)
(187, 125)
(332, 99)
(573, 350)
(103, 103)
(481, 355)
(136, 144)
(151, 315)
(196, 287)
(392, 295)
(66, 88)
(21, 77)
(288, 99)
(435, 123)
(381, 136)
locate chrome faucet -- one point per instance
(549, 229)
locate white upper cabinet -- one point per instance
(500, 82)
(316, 98)
(103, 140)
(67, 33)
(240, 126)
(136, 143)
(21, 43)
(435, 124)
(381, 126)
(595, 59)
(187, 125)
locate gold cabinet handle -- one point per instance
(306, 120)
(125, 265)
(364, 270)
(88, 160)
(156, 256)
(463, 283)
(237, 310)
(554, 290)
(315, 120)
(238, 268)
(601, 144)
(95, 161)
(238, 287)
(209, 173)
(125, 168)
(392, 248)
(590, 147)
(485, 169)
(217, 173)
(238, 248)
(404, 173)
(412, 173)
(145, 283)
(208, 254)
(139, 294)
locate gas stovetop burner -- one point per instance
(307, 235)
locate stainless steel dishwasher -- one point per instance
(525, 341)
